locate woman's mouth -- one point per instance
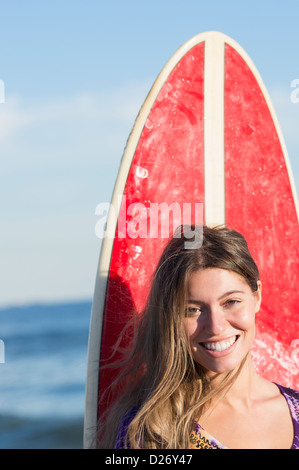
(220, 346)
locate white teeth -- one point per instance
(220, 346)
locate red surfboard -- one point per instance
(205, 148)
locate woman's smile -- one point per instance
(221, 345)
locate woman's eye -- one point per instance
(231, 302)
(192, 311)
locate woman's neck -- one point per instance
(242, 387)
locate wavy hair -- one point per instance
(166, 386)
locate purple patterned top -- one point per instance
(201, 439)
(292, 398)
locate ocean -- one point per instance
(42, 375)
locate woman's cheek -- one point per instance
(191, 327)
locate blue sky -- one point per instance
(76, 73)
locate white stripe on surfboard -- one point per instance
(214, 130)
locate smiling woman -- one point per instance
(192, 382)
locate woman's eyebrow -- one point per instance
(196, 302)
(200, 302)
(231, 292)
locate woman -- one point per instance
(192, 381)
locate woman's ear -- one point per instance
(258, 294)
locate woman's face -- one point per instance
(220, 319)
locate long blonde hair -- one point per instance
(165, 386)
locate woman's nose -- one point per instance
(215, 321)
